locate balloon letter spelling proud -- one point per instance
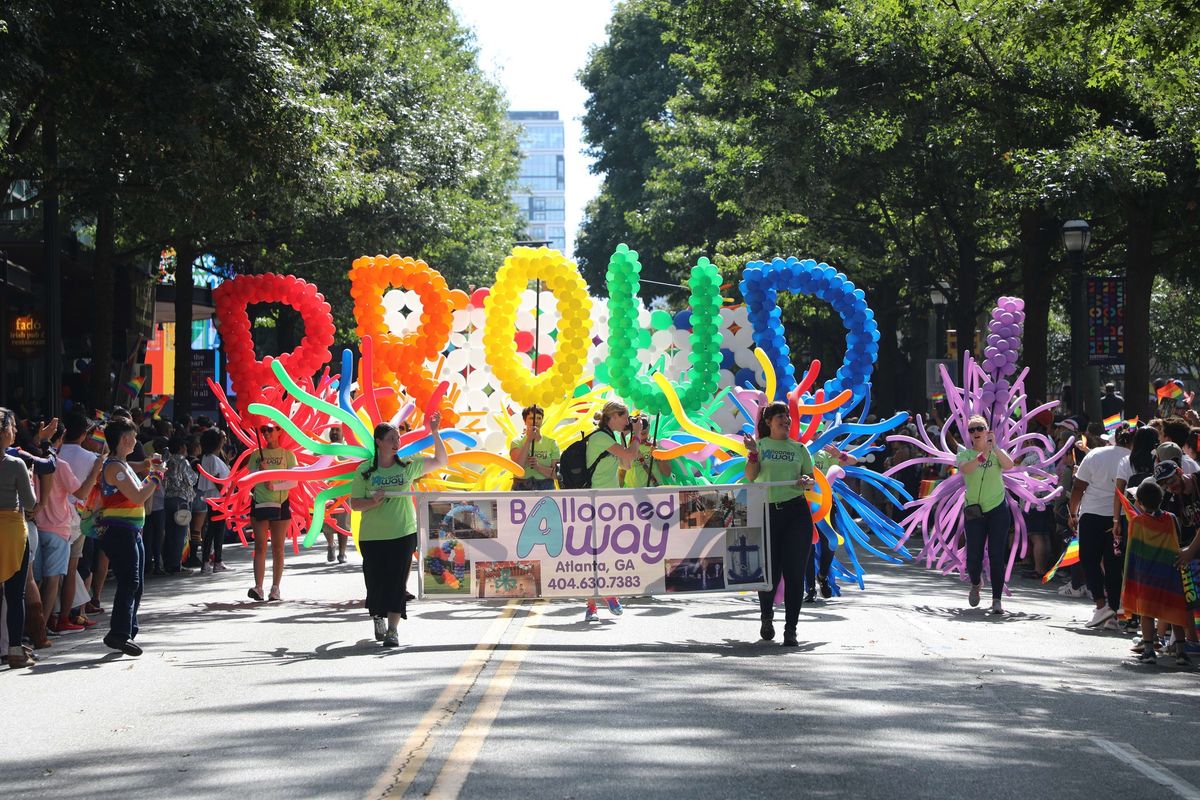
(574, 327)
(232, 299)
(402, 358)
(761, 284)
(623, 356)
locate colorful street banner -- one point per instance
(594, 542)
(1106, 320)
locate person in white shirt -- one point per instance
(1090, 513)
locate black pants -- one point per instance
(990, 530)
(791, 540)
(819, 562)
(176, 535)
(1105, 569)
(214, 539)
(127, 557)
(386, 564)
(153, 534)
(14, 600)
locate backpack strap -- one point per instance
(600, 457)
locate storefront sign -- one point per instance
(27, 334)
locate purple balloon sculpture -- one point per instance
(988, 391)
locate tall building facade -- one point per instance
(541, 191)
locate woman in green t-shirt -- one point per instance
(606, 451)
(775, 458)
(269, 511)
(987, 518)
(387, 532)
(538, 454)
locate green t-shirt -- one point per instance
(545, 452)
(605, 476)
(395, 517)
(268, 459)
(783, 460)
(638, 476)
(985, 485)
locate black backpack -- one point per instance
(574, 472)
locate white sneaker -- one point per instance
(1103, 614)
(206, 569)
(380, 627)
(1111, 625)
(1067, 591)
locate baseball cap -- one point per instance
(1070, 423)
(1169, 451)
(1164, 470)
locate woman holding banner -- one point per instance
(387, 533)
(606, 452)
(775, 458)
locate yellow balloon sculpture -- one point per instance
(562, 278)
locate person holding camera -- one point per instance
(773, 457)
(538, 454)
(606, 451)
(644, 471)
(986, 515)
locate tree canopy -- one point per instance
(915, 145)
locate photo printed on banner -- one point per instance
(745, 556)
(447, 569)
(462, 520)
(712, 509)
(695, 574)
(508, 579)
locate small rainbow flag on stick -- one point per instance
(1172, 391)
(155, 407)
(1113, 422)
(134, 386)
(1069, 558)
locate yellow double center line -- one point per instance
(406, 764)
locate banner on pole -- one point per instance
(594, 542)
(1106, 320)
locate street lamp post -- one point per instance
(1085, 382)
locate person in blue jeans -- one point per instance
(988, 518)
(122, 515)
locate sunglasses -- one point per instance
(976, 429)
(268, 429)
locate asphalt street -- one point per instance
(897, 691)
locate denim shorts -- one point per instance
(53, 555)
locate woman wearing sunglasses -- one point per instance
(269, 510)
(986, 513)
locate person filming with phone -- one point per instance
(986, 514)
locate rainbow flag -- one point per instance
(134, 385)
(97, 435)
(938, 397)
(1113, 422)
(1154, 586)
(1172, 391)
(155, 406)
(1069, 557)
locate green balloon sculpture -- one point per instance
(625, 339)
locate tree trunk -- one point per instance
(103, 292)
(1140, 270)
(884, 399)
(185, 255)
(965, 316)
(1037, 280)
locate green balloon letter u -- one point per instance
(623, 362)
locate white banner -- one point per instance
(594, 542)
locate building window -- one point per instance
(19, 191)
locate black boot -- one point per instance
(789, 636)
(767, 631)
